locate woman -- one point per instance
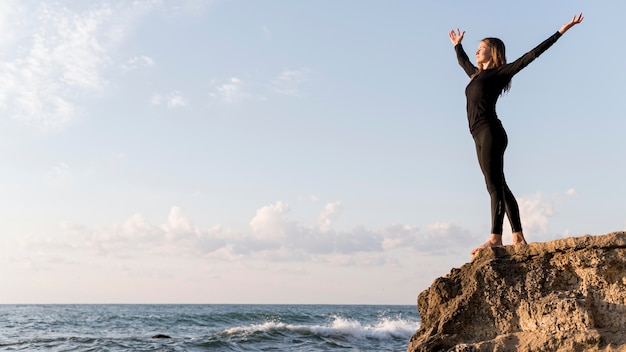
(487, 82)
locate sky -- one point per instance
(296, 152)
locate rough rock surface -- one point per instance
(564, 295)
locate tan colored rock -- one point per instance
(564, 295)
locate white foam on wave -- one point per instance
(384, 328)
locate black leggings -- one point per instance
(491, 143)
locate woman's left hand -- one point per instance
(576, 20)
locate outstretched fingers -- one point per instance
(577, 19)
(452, 36)
(456, 37)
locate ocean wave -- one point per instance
(220, 328)
(384, 328)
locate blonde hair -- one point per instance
(498, 56)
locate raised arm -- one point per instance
(517, 65)
(464, 61)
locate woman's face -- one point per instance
(483, 53)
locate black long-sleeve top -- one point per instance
(483, 90)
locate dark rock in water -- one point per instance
(565, 295)
(161, 336)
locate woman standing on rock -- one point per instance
(487, 82)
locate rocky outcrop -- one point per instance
(564, 295)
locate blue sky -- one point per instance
(286, 152)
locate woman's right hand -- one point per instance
(456, 37)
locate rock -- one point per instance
(564, 295)
(161, 336)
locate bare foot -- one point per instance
(518, 238)
(493, 241)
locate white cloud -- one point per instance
(61, 56)
(536, 211)
(11, 23)
(172, 100)
(180, 235)
(398, 236)
(269, 223)
(272, 236)
(182, 7)
(178, 225)
(177, 101)
(177, 236)
(138, 62)
(53, 57)
(230, 91)
(157, 99)
(58, 174)
(308, 198)
(270, 229)
(360, 260)
(359, 239)
(448, 234)
(437, 238)
(137, 228)
(326, 218)
(236, 90)
(290, 81)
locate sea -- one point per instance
(207, 327)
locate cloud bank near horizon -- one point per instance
(273, 236)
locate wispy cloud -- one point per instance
(52, 57)
(58, 174)
(138, 62)
(172, 100)
(61, 56)
(289, 82)
(231, 91)
(173, 8)
(236, 90)
(11, 24)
